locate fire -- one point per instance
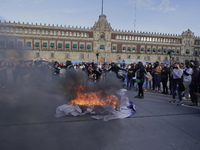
(93, 99)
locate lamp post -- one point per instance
(170, 56)
(97, 54)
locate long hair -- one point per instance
(140, 64)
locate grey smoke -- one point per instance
(33, 101)
(108, 84)
(42, 92)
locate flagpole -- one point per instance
(102, 8)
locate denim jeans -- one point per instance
(148, 82)
(174, 88)
(157, 78)
(129, 82)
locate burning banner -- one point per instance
(103, 99)
(110, 108)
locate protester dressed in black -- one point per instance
(114, 68)
(195, 84)
(164, 78)
(140, 79)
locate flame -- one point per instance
(93, 99)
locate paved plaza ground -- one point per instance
(28, 123)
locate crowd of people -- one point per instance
(178, 79)
(182, 79)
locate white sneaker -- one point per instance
(183, 98)
(180, 103)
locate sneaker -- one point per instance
(172, 101)
(183, 98)
(141, 97)
(180, 104)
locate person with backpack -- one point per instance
(140, 77)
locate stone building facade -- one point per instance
(61, 43)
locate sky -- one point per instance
(160, 16)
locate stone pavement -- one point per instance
(28, 123)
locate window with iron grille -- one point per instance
(59, 45)
(28, 44)
(67, 46)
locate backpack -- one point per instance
(139, 74)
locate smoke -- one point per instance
(12, 48)
(29, 90)
(106, 85)
(32, 91)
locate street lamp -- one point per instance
(170, 55)
(97, 54)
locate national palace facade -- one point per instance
(61, 43)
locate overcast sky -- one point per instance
(162, 16)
